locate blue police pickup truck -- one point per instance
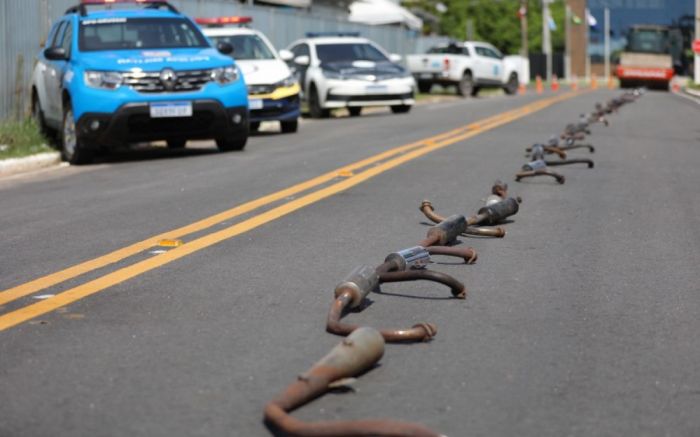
(119, 74)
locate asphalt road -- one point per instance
(583, 321)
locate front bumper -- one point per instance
(280, 105)
(342, 94)
(644, 73)
(132, 123)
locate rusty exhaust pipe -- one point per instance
(399, 266)
(538, 168)
(357, 353)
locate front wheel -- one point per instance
(355, 111)
(400, 109)
(465, 85)
(232, 144)
(289, 127)
(512, 85)
(73, 149)
(315, 108)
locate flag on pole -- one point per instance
(551, 23)
(592, 22)
(575, 19)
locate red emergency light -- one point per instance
(221, 21)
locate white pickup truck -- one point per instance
(467, 65)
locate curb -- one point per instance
(692, 92)
(14, 166)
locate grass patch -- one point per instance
(21, 138)
(693, 85)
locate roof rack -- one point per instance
(326, 34)
(149, 4)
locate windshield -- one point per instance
(246, 47)
(648, 41)
(349, 53)
(139, 33)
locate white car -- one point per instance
(469, 66)
(273, 91)
(346, 71)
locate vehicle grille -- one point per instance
(261, 89)
(149, 81)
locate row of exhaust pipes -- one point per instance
(363, 346)
(567, 141)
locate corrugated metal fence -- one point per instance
(25, 24)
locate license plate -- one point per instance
(426, 76)
(255, 103)
(376, 88)
(171, 109)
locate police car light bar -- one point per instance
(220, 21)
(152, 4)
(326, 34)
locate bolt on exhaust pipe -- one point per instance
(357, 353)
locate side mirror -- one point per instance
(395, 58)
(224, 48)
(56, 54)
(304, 61)
(286, 55)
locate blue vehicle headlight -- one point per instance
(225, 75)
(108, 80)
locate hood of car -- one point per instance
(366, 70)
(153, 60)
(263, 72)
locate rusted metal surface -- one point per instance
(404, 265)
(498, 207)
(361, 350)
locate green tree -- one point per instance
(497, 22)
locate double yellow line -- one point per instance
(368, 168)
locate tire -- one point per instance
(425, 87)
(315, 108)
(475, 90)
(289, 127)
(512, 86)
(355, 111)
(73, 149)
(232, 144)
(465, 85)
(401, 109)
(176, 144)
(254, 126)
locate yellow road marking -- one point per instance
(31, 311)
(52, 279)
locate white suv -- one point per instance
(346, 71)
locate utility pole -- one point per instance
(523, 29)
(588, 39)
(546, 37)
(606, 29)
(697, 37)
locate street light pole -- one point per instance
(523, 29)
(606, 29)
(567, 43)
(546, 37)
